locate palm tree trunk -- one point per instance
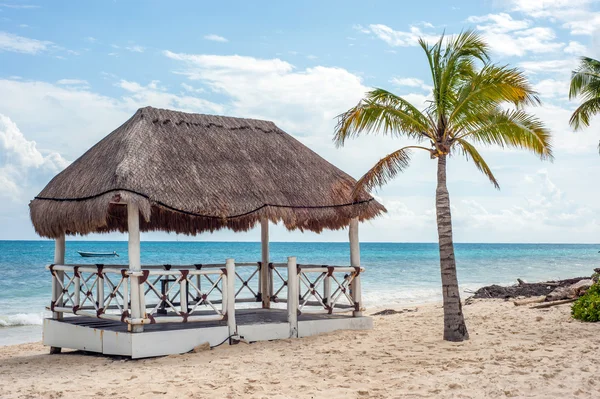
(455, 328)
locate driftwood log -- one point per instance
(570, 291)
(553, 303)
(529, 301)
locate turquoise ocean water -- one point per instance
(397, 273)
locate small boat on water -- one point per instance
(98, 254)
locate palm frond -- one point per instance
(471, 152)
(491, 87)
(583, 114)
(585, 83)
(510, 128)
(586, 75)
(384, 170)
(451, 64)
(385, 113)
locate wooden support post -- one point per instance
(58, 282)
(292, 299)
(265, 271)
(230, 268)
(183, 291)
(138, 307)
(100, 291)
(327, 290)
(125, 288)
(355, 262)
(76, 291)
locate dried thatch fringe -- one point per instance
(191, 173)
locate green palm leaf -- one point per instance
(385, 170)
(585, 83)
(471, 153)
(510, 128)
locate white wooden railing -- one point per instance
(201, 292)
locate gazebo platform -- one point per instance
(183, 173)
(112, 338)
(182, 306)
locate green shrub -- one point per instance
(587, 307)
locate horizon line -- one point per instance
(316, 242)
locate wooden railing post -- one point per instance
(230, 288)
(58, 282)
(138, 307)
(355, 262)
(327, 289)
(100, 289)
(183, 294)
(76, 289)
(265, 272)
(292, 299)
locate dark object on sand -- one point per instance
(388, 312)
(523, 289)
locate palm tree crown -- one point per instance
(585, 83)
(470, 105)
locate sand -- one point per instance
(513, 352)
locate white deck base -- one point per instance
(106, 339)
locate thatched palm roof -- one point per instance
(191, 173)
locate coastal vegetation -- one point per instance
(473, 102)
(587, 307)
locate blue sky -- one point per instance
(71, 72)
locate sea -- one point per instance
(397, 274)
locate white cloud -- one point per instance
(552, 88)
(563, 137)
(233, 62)
(20, 44)
(361, 29)
(400, 38)
(192, 89)
(575, 15)
(132, 48)
(499, 23)
(157, 96)
(72, 82)
(410, 82)
(304, 101)
(575, 48)
(545, 207)
(559, 66)
(70, 118)
(216, 38)
(545, 8)
(21, 6)
(511, 37)
(135, 49)
(22, 164)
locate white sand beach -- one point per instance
(513, 352)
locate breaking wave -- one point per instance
(21, 319)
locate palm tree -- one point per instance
(585, 82)
(473, 102)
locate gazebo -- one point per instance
(171, 171)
